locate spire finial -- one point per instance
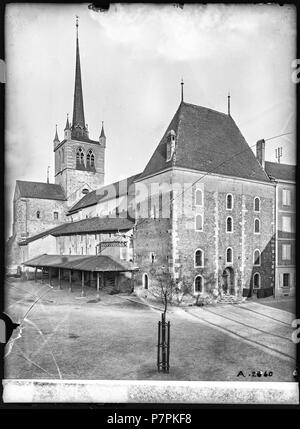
(182, 83)
(228, 103)
(48, 173)
(102, 134)
(78, 123)
(56, 139)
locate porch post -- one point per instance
(59, 278)
(82, 284)
(117, 281)
(70, 281)
(98, 281)
(35, 274)
(49, 276)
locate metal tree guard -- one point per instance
(163, 346)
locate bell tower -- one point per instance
(79, 160)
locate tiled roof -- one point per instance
(207, 141)
(46, 191)
(91, 225)
(96, 263)
(94, 225)
(104, 193)
(281, 171)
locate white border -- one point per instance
(125, 391)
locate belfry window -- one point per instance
(80, 156)
(90, 159)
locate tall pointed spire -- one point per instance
(78, 124)
(182, 83)
(67, 127)
(102, 137)
(102, 134)
(228, 97)
(56, 139)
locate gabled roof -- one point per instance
(98, 263)
(46, 191)
(104, 193)
(281, 171)
(91, 225)
(208, 141)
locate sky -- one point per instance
(132, 60)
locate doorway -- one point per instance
(145, 281)
(228, 281)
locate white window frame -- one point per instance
(229, 262)
(256, 211)
(259, 264)
(259, 276)
(198, 190)
(257, 219)
(232, 202)
(202, 258)
(199, 214)
(286, 195)
(290, 223)
(283, 253)
(227, 231)
(202, 285)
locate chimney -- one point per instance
(260, 152)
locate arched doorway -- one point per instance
(145, 281)
(228, 281)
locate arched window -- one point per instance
(55, 215)
(171, 140)
(145, 281)
(80, 156)
(199, 222)
(229, 201)
(90, 159)
(229, 224)
(256, 204)
(229, 255)
(198, 197)
(256, 281)
(38, 214)
(257, 226)
(256, 257)
(199, 258)
(198, 284)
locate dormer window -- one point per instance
(171, 141)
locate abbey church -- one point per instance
(215, 220)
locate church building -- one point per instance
(205, 210)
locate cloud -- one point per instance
(194, 32)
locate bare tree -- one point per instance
(164, 289)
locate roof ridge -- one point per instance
(207, 108)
